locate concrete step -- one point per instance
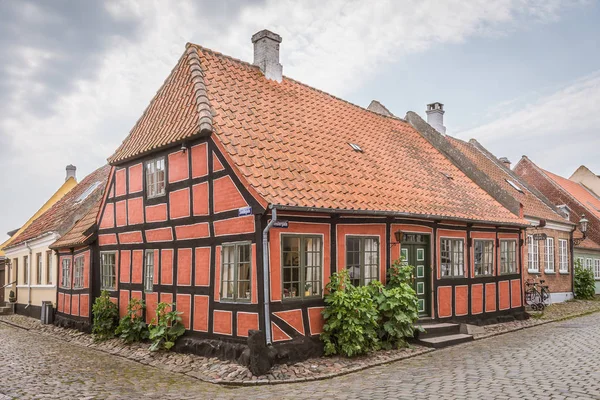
(438, 342)
(5, 310)
(438, 329)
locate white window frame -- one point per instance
(549, 261)
(49, 267)
(155, 183)
(486, 258)
(581, 261)
(78, 264)
(597, 269)
(108, 271)
(457, 266)
(563, 256)
(506, 265)
(363, 266)
(66, 273)
(589, 264)
(533, 255)
(230, 272)
(39, 268)
(149, 271)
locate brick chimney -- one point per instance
(266, 54)
(505, 161)
(71, 172)
(435, 117)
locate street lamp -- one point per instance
(583, 226)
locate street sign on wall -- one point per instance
(540, 236)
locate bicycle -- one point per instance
(536, 294)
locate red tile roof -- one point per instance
(65, 213)
(587, 243)
(291, 144)
(77, 235)
(534, 203)
(589, 200)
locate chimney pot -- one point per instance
(505, 161)
(266, 54)
(435, 117)
(71, 172)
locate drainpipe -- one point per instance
(28, 275)
(266, 275)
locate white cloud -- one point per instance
(332, 45)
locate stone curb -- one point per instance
(262, 382)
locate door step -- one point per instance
(438, 329)
(5, 310)
(438, 342)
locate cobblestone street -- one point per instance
(553, 361)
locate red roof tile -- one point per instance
(291, 144)
(589, 200)
(532, 201)
(65, 213)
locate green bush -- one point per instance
(106, 316)
(584, 285)
(350, 318)
(165, 328)
(132, 327)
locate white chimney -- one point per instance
(505, 161)
(71, 172)
(266, 54)
(435, 117)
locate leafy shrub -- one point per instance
(397, 305)
(584, 284)
(106, 316)
(132, 327)
(165, 328)
(350, 318)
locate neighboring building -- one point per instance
(34, 265)
(577, 200)
(586, 178)
(239, 192)
(549, 252)
(9, 269)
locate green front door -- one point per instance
(415, 252)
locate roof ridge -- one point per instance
(246, 63)
(205, 118)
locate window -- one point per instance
(508, 256)
(88, 191)
(66, 273)
(533, 254)
(563, 256)
(78, 273)
(581, 261)
(108, 279)
(453, 257)
(16, 269)
(484, 257)
(514, 185)
(301, 262)
(597, 268)
(25, 270)
(362, 259)
(38, 259)
(355, 147)
(549, 255)
(49, 267)
(235, 274)
(589, 264)
(149, 271)
(155, 177)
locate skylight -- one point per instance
(355, 147)
(514, 185)
(88, 191)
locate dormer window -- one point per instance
(565, 210)
(515, 186)
(356, 147)
(155, 177)
(87, 192)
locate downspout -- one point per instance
(266, 275)
(28, 275)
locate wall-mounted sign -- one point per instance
(281, 224)
(540, 236)
(244, 211)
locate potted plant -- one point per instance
(11, 297)
(307, 289)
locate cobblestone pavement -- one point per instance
(553, 361)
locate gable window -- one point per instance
(484, 257)
(508, 256)
(533, 253)
(362, 259)
(66, 273)
(78, 273)
(25, 270)
(108, 279)
(155, 177)
(549, 255)
(38, 259)
(301, 263)
(453, 258)
(236, 272)
(49, 267)
(149, 271)
(563, 256)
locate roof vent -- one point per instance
(356, 147)
(435, 117)
(266, 54)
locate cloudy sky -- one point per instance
(521, 76)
